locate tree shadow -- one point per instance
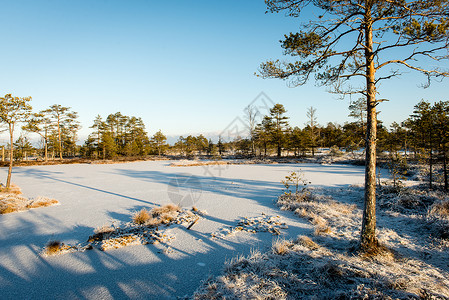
(50, 175)
(131, 272)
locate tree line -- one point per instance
(423, 136)
(57, 126)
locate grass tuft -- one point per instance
(141, 217)
(10, 203)
(281, 246)
(53, 247)
(168, 208)
(440, 209)
(307, 242)
(13, 189)
(13, 202)
(41, 202)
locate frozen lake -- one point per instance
(95, 195)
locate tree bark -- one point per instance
(430, 169)
(445, 168)
(368, 240)
(46, 147)
(60, 140)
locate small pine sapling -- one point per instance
(397, 165)
(296, 180)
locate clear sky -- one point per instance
(182, 66)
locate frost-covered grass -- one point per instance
(303, 269)
(263, 223)
(11, 201)
(325, 265)
(143, 229)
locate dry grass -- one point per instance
(13, 189)
(41, 202)
(141, 217)
(409, 263)
(165, 214)
(281, 246)
(52, 247)
(13, 202)
(145, 228)
(197, 163)
(56, 248)
(305, 241)
(101, 233)
(158, 215)
(440, 209)
(305, 270)
(168, 208)
(120, 242)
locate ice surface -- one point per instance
(95, 195)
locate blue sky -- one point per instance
(182, 66)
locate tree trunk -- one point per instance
(46, 150)
(444, 167)
(430, 168)
(368, 240)
(60, 141)
(446, 188)
(11, 156)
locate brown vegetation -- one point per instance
(141, 217)
(327, 267)
(10, 203)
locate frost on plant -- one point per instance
(295, 180)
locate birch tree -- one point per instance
(352, 46)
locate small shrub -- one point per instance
(335, 151)
(141, 217)
(296, 180)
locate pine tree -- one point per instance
(40, 123)
(277, 127)
(312, 128)
(357, 39)
(13, 110)
(65, 123)
(159, 141)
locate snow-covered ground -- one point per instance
(91, 196)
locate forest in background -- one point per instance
(423, 137)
